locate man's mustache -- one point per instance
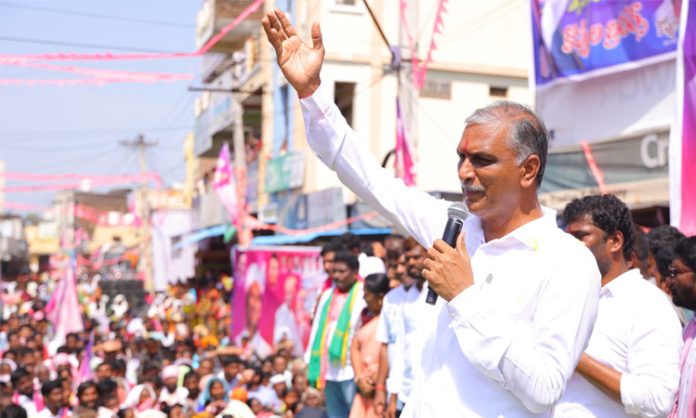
(472, 189)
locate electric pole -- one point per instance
(140, 144)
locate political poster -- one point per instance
(275, 290)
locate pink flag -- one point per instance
(404, 161)
(224, 184)
(85, 370)
(65, 312)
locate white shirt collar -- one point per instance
(622, 283)
(528, 234)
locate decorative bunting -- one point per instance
(103, 77)
(420, 69)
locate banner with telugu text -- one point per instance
(576, 39)
(683, 138)
(275, 290)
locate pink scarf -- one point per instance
(689, 334)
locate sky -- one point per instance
(77, 129)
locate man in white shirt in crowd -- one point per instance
(518, 296)
(54, 401)
(399, 324)
(24, 394)
(172, 394)
(631, 364)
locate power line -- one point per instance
(80, 45)
(61, 148)
(54, 132)
(82, 160)
(95, 15)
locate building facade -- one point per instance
(476, 61)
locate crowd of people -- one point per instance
(175, 358)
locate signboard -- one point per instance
(285, 172)
(325, 207)
(204, 139)
(634, 167)
(574, 39)
(275, 289)
(166, 199)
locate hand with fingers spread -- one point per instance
(300, 63)
(448, 270)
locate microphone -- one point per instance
(456, 214)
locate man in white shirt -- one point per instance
(631, 364)
(54, 401)
(518, 296)
(399, 324)
(24, 394)
(172, 394)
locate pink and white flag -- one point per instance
(63, 309)
(404, 161)
(224, 184)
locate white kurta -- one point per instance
(505, 346)
(637, 333)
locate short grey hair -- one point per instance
(528, 135)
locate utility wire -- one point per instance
(95, 15)
(80, 45)
(55, 132)
(61, 148)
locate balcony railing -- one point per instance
(216, 14)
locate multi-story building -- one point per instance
(14, 254)
(476, 61)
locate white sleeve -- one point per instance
(648, 389)
(336, 144)
(533, 362)
(396, 363)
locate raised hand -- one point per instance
(300, 63)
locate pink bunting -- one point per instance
(99, 82)
(23, 206)
(597, 172)
(108, 74)
(15, 175)
(103, 77)
(93, 181)
(215, 39)
(420, 69)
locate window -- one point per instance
(344, 95)
(497, 91)
(437, 89)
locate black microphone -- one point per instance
(456, 214)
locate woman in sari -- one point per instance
(364, 350)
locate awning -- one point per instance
(200, 235)
(304, 238)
